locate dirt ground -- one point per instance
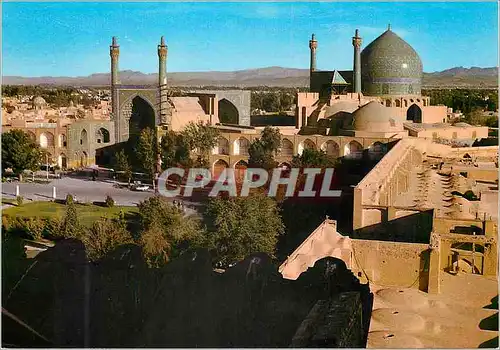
(463, 315)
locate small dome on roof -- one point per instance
(343, 106)
(374, 117)
(39, 101)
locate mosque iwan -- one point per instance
(427, 250)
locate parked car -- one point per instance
(140, 187)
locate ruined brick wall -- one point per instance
(391, 263)
(336, 323)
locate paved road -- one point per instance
(84, 190)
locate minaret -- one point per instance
(162, 80)
(313, 45)
(114, 52)
(162, 56)
(356, 78)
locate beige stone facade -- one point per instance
(457, 132)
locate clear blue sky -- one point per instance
(72, 39)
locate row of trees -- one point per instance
(273, 101)
(464, 100)
(231, 230)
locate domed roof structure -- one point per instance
(343, 106)
(39, 101)
(390, 66)
(374, 117)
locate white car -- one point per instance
(141, 188)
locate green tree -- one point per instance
(271, 102)
(311, 158)
(146, 150)
(202, 138)
(260, 157)
(70, 225)
(286, 100)
(262, 151)
(239, 226)
(105, 236)
(271, 139)
(478, 117)
(165, 232)
(174, 150)
(122, 164)
(19, 152)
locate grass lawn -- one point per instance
(9, 201)
(87, 214)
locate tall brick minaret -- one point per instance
(162, 81)
(356, 78)
(313, 45)
(162, 59)
(114, 52)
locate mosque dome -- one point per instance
(39, 102)
(374, 117)
(390, 66)
(341, 108)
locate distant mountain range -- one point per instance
(473, 77)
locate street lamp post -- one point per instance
(47, 164)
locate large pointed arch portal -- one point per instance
(228, 113)
(142, 117)
(414, 114)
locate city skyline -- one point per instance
(72, 39)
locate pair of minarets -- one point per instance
(356, 43)
(114, 52)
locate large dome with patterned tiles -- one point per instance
(390, 66)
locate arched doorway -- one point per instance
(240, 171)
(286, 148)
(142, 117)
(331, 148)
(84, 139)
(353, 150)
(414, 114)
(241, 146)
(62, 140)
(46, 139)
(62, 161)
(228, 113)
(376, 150)
(83, 159)
(222, 146)
(218, 167)
(306, 144)
(102, 135)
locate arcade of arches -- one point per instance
(231, 150)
